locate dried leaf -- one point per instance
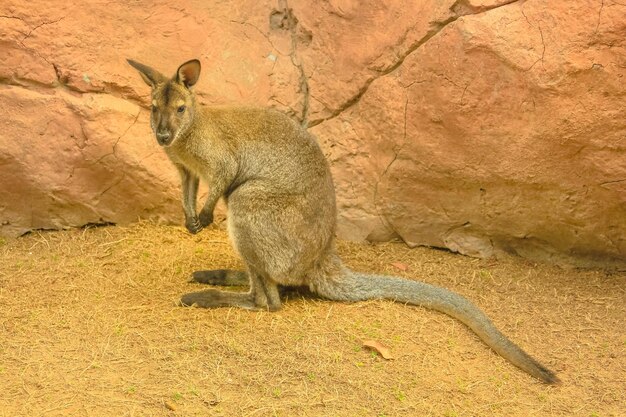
(401, 266)
(383, 350)
(170, 405)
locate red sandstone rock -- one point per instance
(476, 125)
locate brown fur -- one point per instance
(281, 210)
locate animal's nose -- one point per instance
(163, 136)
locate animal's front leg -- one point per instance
(217, 186)
(189, 184)
(206, 215)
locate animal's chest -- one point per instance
(191, 162)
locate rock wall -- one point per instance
(475, 125)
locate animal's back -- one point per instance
(272, 147)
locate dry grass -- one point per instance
(88, 327)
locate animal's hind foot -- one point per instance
(215, 298)
(263, 294)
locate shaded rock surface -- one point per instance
(477, 126)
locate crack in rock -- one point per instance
(285, 19)
(265, 35)
(611, 182)
(11, 17)
(543, 44)
(599, 18)
(113, 89)
(396, 150)
(458, 9)
(115, 184)
(117, 141)
(30, 32)
(464, 7)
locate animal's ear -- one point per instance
(150, 76)
(188, 73)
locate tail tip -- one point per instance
(549, 377)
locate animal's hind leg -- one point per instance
(263, 295)
(223, 277)
(230, 278)
(265, 292)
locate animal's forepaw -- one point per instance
(193, 225)
(206, 218)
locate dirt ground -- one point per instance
(89, 327)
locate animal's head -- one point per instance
(173, 103)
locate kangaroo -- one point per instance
(281, 210)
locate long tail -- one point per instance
(354, 286)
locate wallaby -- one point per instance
(281, 210)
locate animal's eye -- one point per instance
(181, 109)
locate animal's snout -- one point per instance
(163, 137)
